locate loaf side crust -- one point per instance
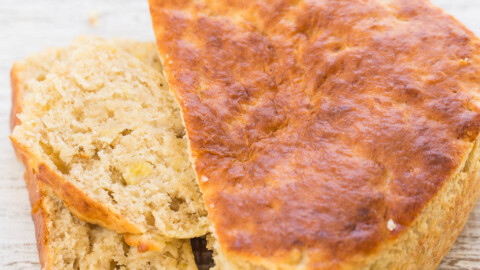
(39, 216)
(435, 230)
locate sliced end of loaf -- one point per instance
(105, 127)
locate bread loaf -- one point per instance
(332, 134)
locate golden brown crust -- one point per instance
(314, 123)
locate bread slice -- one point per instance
(327, 134)
(66, 242)
(101, 129)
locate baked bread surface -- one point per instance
(326, 134)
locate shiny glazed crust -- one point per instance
(327, 134)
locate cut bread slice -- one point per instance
(99, 127)
(66, 242)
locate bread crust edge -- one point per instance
(39, 217)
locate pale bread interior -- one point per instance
(74, 244)
(105, 121)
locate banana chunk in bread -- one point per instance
(100, 127)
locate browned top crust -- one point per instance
(313, 123)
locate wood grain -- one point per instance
(27, 26)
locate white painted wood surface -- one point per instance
(27, 26)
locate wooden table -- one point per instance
(27, 26)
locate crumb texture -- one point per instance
(103, 119)
(74, 244)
